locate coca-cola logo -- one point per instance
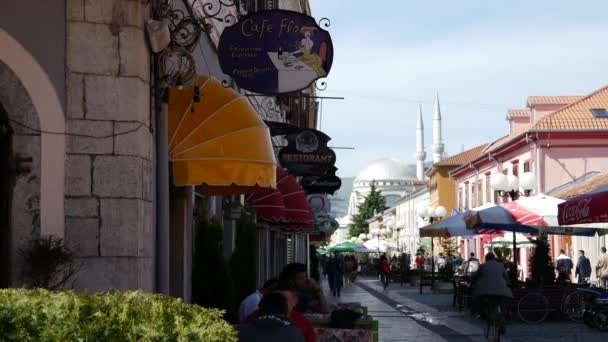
(576, 211)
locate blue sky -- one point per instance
(483, 57)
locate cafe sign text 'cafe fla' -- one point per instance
(275, 52)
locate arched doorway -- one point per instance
(6, 185)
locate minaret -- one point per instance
(420, 154)
(437, 140)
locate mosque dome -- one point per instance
(387, 169)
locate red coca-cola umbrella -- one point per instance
(591, 207)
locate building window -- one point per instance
(479, 193)
(488, 188)
(466, 196)
(473, 194)
(459, 199)
(600, 112)
(515, 169)
(527, 166)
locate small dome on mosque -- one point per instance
(387, 169)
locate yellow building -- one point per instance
(441, 187)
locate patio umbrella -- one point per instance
(362, 249)
(376, 245)
(507, 241)
(529, 215)
(591, 207)
(345, 246)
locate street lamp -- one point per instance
(507, 186)
(432, 214)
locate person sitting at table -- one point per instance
(298, 319)
(310, 295)
(272, 324)
(250, 303)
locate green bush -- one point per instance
(41, 315)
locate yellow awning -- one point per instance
(219, 142)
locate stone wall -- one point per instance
(109, 162)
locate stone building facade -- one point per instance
(109, 179)
(75, 96)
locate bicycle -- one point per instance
(533, 308)
(494, 316)
(574, 306)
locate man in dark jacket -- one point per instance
(583, 268)
(272, 324)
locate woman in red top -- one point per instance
(385, 270)
(419, 261)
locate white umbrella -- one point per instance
(362, 249)
(376, 245)
(507, 241)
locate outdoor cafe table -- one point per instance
(362, 328)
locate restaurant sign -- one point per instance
(306, 153)
(329, 183)
(275, 52)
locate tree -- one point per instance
(374, 202)
(242, 262)
(450, 248)
(212, 286)
(541, 266)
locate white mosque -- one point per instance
(394, 178)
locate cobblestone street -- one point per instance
(405, 315)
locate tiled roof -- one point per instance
(502, 141)
(578, 115)
(518, 113)
(565, 100)
(463, 157)
(589, 185)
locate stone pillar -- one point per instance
(109, 198)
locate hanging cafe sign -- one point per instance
(329, 183)
(306, 153)
(275, 52)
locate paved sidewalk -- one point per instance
(405, 315)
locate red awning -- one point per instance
(318, 237)
(268, 205)
(298, 215)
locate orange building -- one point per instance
(441, 187)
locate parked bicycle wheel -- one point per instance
(574, 306)
(533, 308)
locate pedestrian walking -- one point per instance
(385, 270)
(348, 270)
(334, 275)
(583, 268)
(419, 260)
(563, 266)
(601, 269)
(472, 264)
